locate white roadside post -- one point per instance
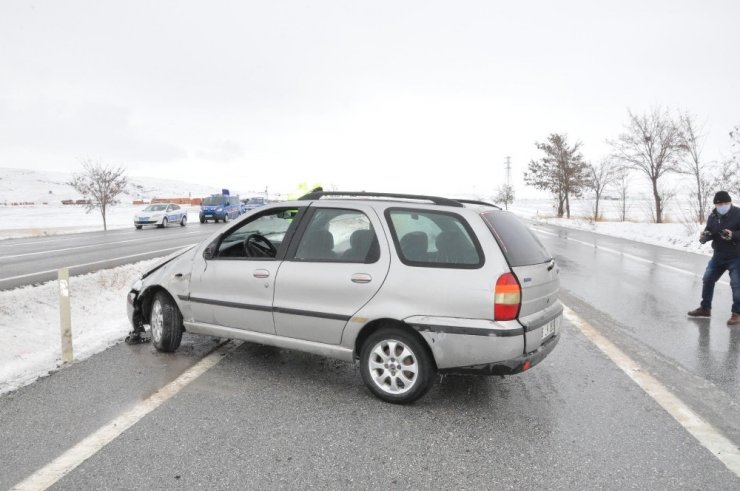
(65, 320)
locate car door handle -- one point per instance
(261, 273)
(361, 278)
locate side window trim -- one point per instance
(425, 264)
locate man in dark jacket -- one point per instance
(723, 230)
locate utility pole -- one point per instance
(508, 170)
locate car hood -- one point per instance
(167, 259)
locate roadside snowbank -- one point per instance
(29, 322)
(681, 236)
(36, 221)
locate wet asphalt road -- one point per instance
(647, 290)
(35, 260)
(269, 418)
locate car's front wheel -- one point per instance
(164, 223)
(166, 323)
(395, 366)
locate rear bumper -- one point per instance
(484, 346)
(512, 366)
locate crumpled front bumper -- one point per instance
(133, 310)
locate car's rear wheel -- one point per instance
(226, 217)
(184, 221)
(166, 323)
(395, 366)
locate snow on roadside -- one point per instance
(29, 322)
(680, 236)
(36, 221)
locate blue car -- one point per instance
(252, 203)
(219, 207)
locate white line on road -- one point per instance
(709, 437)
(69, 460)
(38, 273)
(145, 239)
(626, 254)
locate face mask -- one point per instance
(723, 209)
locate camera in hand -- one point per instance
(726, 234)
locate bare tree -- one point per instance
(600, 176)
(505, 195)
(562, 170)
(692, 142)
(727, 177)
(651, 144)
(100, 182)
(623, 186)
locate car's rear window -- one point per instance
(520, 246)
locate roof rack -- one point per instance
(434, 199)
(475, 202)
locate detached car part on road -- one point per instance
(409, 285)
(161, 215)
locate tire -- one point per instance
(184, 221)
(165, 320)
(164, 223)
(138, 227)
(226, 217)
(385, 380)
(202, 220)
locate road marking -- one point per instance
(69, 460)
(82, 247)
(38, 273)
(708, 436)
(626, 254)
(48, 251)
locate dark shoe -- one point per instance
(734, 320)
(700, 312)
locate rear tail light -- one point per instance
(507, 298)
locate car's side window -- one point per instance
(338, 235)
(262, 237)
(434, 239)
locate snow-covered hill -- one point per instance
(50, 188)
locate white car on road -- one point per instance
(161, 215)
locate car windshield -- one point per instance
(155, 208)
(213, 200)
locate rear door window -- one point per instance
(338, 235)
(518, 243)
(434, 239)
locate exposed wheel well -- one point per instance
(377, 324)
(146, 299)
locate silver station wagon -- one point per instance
(409, 285)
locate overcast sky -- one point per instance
(415, 96)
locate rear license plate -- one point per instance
(550, 328)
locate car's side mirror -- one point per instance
(210, 251)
